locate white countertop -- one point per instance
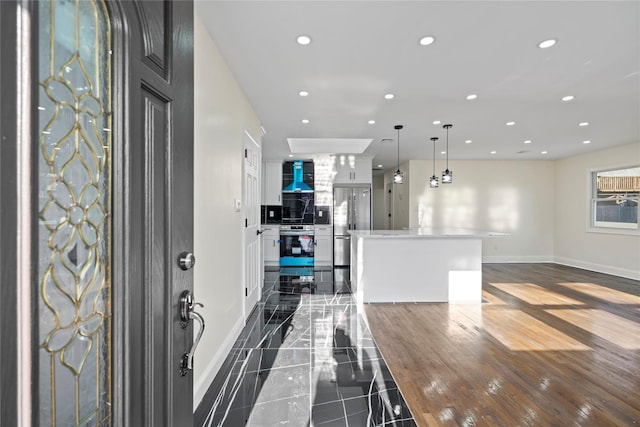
(425, 233)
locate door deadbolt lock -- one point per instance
(186, 260)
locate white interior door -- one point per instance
(252, 264)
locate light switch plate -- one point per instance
(237, 204)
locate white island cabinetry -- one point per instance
(419, 265)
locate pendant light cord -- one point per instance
(447, 127)
(434, 139)
(448, 147)
(434, 157)
(398, 148)
(398, 127)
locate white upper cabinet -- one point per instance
(350, 169)
(272, 184)
(362, 173)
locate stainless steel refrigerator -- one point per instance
(351, 211)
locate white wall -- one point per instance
(514, 197)
(573, 243)
(222, 113)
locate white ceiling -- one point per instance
(361, 50)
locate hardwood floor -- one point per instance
(550, 345)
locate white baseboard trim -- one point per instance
(599, 268)
(515, 259)
(200, 388)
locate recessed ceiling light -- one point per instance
(427, 40)
(436, 122)
(468, 141)
(304, 40)
(303, 93)
(510, 123)
(305, 121)
(379, 166)
(543, 152)
(583, 124)
(547, 43)
(586, 142)
(493, 152)
(388, 96)
(443, 152)
(567, 98)
(528, 141)
(290, 155)
(372, 122)
(472, 96)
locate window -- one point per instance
(614, 198)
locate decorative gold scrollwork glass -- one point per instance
(74, 226)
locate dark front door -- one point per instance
(97, 154)
(159, 112)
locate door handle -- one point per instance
(259, 232)
(188, 313)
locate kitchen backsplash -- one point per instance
(271, 214)
(323, 215)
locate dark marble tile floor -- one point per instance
(305, 358)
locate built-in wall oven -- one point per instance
(297, 245)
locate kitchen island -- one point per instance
(417, 265)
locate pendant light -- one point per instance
(397, 175)
(433, 181)
(447, 175)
